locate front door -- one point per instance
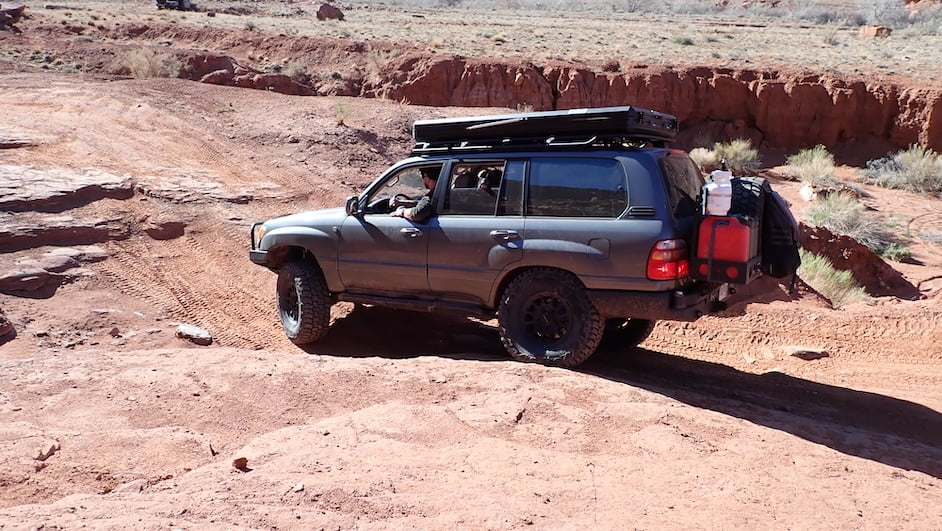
(381, 254)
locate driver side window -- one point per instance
(407, 183)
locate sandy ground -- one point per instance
(108, 420)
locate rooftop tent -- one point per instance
(608, 122)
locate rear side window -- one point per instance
(576, 187)
(684, 182)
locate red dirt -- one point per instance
(107, 419)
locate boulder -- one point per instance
(194, 334)
(873, 32)
(329, 12)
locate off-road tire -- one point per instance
(303, 302)
(546, 317)
(748, 197)
(626, 333)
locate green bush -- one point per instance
(916, 169)
(740, 156)
(814, 167)
(837, 286)
(843, 214)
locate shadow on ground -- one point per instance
(895, 432)
(880, 428)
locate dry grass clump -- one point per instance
(738, 155)
(704, 158)
(814, 167)
(844, 214)
(147, 63)
(916, 169)
(837, 286)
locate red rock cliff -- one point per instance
(774, 109)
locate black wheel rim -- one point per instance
(547, 318)
(288, 301)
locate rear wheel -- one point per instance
(303, 302)
(545, 317)
(626, 333)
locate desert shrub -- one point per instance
(843, 214)
(927, 21)
(838, 286)
(740, 156)
(896, 252)
(932, 237)
(892, 13)
(704, 158)
(814, 167)
(146, 63)
(816, 14)
(297, 72)
(683, 41)
(342, 112)
(916, 169)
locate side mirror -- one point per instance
(353, 205)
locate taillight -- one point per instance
(668, 260)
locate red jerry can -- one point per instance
(727, 249)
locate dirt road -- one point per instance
(109, 420)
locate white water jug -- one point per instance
(718, 193)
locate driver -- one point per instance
(421, 210)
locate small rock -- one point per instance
(131, 487)
(194, 334)
(47, 450)
(298, 488)
(806, 353)
(240, 463)
(6, 327)
(114, 332)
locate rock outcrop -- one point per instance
(868, 269)
(773, 109)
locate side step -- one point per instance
(416, 305)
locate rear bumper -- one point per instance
(679, 305)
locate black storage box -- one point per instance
(619, 122)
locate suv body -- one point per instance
(562, 239)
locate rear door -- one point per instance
(479, 230)
(578, 220)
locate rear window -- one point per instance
(576, 187)
(684, 182)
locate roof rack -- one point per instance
(570, 129)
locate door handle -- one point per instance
(410, 232)
(505, 235)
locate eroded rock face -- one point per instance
(773, 109)
(19, 231)
(41, 275)
(868, 269)
(56, 190)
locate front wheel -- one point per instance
(303, 302)
(546, 317)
